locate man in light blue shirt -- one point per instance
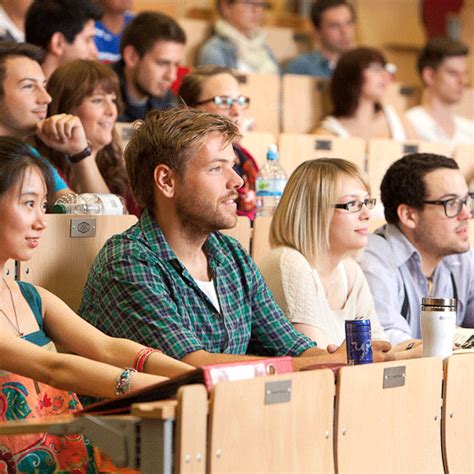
(424, 248)
(334, 26)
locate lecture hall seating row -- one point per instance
(400, 416)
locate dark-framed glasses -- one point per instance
(356, 206)
(226, 102)
(453, 206)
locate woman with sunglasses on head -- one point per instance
(357, 87)
(35, 380)
(319, 226)
(216, 89)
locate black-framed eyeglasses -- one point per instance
(453, 206)
(356, 206)
(226, 102)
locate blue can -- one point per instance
(359, 342)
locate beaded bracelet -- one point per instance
(123, 383)
(142, 357)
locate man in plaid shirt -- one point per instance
(173, 281)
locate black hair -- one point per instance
(16, 156)
(46, 17)
(404, 182)
(149, 27)
(320, 6)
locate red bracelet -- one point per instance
(142, 357)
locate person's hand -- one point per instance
(411, 349)
(63, 132)
(381, 351)
(331, 348)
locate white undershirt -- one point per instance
(208, 288)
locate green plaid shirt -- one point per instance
(138, 289)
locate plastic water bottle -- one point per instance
(90, 203)
(270, 183)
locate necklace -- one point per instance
(17, 326)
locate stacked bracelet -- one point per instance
(123, 382)
(142, 357)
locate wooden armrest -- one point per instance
(34, 425)
(162, 410)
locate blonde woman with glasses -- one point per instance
(319, 226)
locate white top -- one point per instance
(208, 288)
(397, 130)
(6, 24)
(428, 130)
(299, 292)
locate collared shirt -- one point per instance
(310, 64)
(393, 265)
(134, 111)
(139, 289)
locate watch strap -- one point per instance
(81, 155)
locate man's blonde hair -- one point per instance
(305, 211)
(171, 138)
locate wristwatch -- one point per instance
(81, 155)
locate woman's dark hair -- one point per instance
(16, 156)
(348, 77)
(68, 86)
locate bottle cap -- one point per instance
(272, 153)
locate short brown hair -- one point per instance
(170, 138)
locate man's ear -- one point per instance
(408, 216)
(130, 56)
(57, 44)
(165, 180)
(427, 75)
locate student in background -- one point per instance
(90, 91)
(238, 41)
(151, 49)
(64, 29)
(36, 380)
(216, 89)
(443, 69)
(357, 89)
(108, 30)
(334, 26)
(315, 235)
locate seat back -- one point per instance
(464, 107)
(281, 423)
(458, 413)
(382, 152)
(260, 243)
(388, 417)
(264, 92)
(257, 144)
(464, 155)
(281, 41)
(68, 247)
(296, 148)
(197, 32)
(401, 96)
(304, 102)
(242, 232)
